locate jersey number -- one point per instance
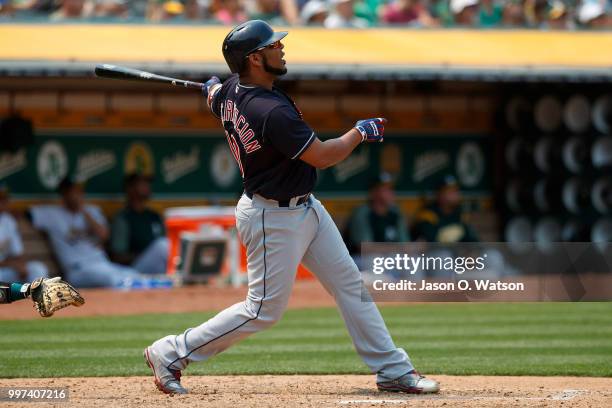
(233, 145)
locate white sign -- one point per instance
(11, 163)
(180, 164)
(470, 164)
(52, 164)
(429, 163)
(352, 165)
(95, 162)
(223, 166)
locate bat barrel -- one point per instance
(124, 73)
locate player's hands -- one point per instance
(50, 295)
(371, 130)
(208, 84)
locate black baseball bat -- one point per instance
(131, 74)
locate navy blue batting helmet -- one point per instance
(245, 39)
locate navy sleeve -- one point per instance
(287, 132)
(215, 103)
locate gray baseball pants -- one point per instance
(277, 239)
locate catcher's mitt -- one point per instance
(50, 295)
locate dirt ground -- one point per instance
(283, 391)
(325, 391)
(200, 298)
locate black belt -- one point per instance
(283, 203)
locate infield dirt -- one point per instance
(199, 298)
(325, 391)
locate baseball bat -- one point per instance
(131, 74)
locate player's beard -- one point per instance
(272, 70)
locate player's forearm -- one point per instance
(99, 230)
(338, 149)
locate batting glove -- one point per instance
(209, 84)
(372, 130)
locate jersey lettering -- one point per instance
(235, 150)
(233, 120)
(251, 147)
(266, 134)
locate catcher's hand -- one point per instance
(50, 295)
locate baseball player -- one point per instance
(13, 266)
(280, 222)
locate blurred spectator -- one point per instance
(137, 9)
(69, 9)
(559, 16)
(77, 232)
(440, 9)
(546, 14)
(490, 13)
(343, 16)
(464, 12)
(172, 9)
(13, 266)
(407, 12)
(314, 13)
(541, 14)
(593, 14)
(273, 11)
(110, 8)
(154, 10)
(380, 220)
(137, 232)
(166, 10)
(513, 15)
(6, 7)
(442, 220)
(369, 10)
(228, 12)
(196, 9)
(28, 8)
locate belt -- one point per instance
(283, 203)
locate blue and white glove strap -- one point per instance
(371, 130)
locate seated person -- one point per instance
(380, 220)
(13, 266)
(137, 232)
(442, 220)
(77, 232)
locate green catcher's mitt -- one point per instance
(51, 295)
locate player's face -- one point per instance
(273, 61)
(450, 196)
(141, 190)
(73, 197)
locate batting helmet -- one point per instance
(245, 39)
